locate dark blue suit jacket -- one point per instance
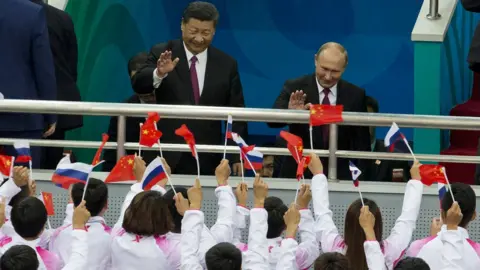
(26, 63)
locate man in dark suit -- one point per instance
(27, 71)
(192, 72)
(474, 54)
(383, 170)
(132, 125)
(325, 86)
(63, 43)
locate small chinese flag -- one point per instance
(153, 117)
(325, 114)
(432, 174)
(294, 144)
(48, 202)
(5, 165)
(149, 135)
(123, 170)
(184, 132)
(96, 159)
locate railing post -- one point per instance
(332, 157)
(433, 11)
(121, 126)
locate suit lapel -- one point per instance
(340, 95)
(312, 91)
(185, 91)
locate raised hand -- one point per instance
(297, 101)
(165, 64)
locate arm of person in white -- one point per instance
(157, 81)
(134, 190)
(402, 232)
(192, 224)
(308, 250)
(78, 258)
(68, 214)
(287, 260)
(8, 190)
(325, 230)
(453, 256)
(256, 257)
(206, 242)
(374, 255)
(222, 230)
(240, 223)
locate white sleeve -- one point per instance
(206, 242)
(287, 260)
(157, 81)
(325, 230)
(222, 230)
(68, 214)
(453, 250)
(45, 238)
(78, 258)
(308, 250)
(8, 190)
(401, 234)
(256, 257)
(240, 223)
(192, 224)
(374, 255)
(134, 190)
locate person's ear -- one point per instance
(474, 216)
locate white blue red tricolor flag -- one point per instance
(68, 173)
(355, 173)
(229, 127)
(23, 151)
(154, 173)
(394, 135)
(253, 158)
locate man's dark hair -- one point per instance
(21, 257)
(466, 199)
(96, 196)
(202, 11)
(136, 62)
(331, 261)
(412, 263)
(372, 103)
(29, 217)
(170, 200)
(223, 256)
(276, 209)
(147, 215)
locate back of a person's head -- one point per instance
(170, 200)
(148, 215)
(412, 263)
(20, 257)
(276, 209)
(96, 196)
(331, 261)
(223, 256)
(353, 233)
(466, 199)
(29, 217)
(136, 62)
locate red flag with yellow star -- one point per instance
(325, 114)
(123, 170)
(302, 165)
(96, 158)
(149, 135)
(432, 174)
(47, 199)
(187, 135)
(6, 163)
(294, 145)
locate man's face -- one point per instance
(371, 128)
(197, 35)
(267, 170)
(329, 67)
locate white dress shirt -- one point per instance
(332, 96)
(200, 65)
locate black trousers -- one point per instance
(52, 155)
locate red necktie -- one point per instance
(194, 79)
(326, 128)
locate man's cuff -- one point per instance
(157, 80)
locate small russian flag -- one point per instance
(154, 173)
(69, 173)
(23, 151)
(442, 190)
(393, 135)
(355, 173)
(254, 158)
(229, 127)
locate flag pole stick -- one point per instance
(31, 171)
(198, 163)
(361, 197)
(88, 178)
(241, 167)
(296, 193)
(168, 179)
(11, 167)
(409, 148)
(298, 158)
(139, 145)
(311, 137)
(225, 146)
(159, 145)
(251, 166)
(448, 183)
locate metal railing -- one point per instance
(240, 114)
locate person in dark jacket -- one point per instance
(474, 54)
